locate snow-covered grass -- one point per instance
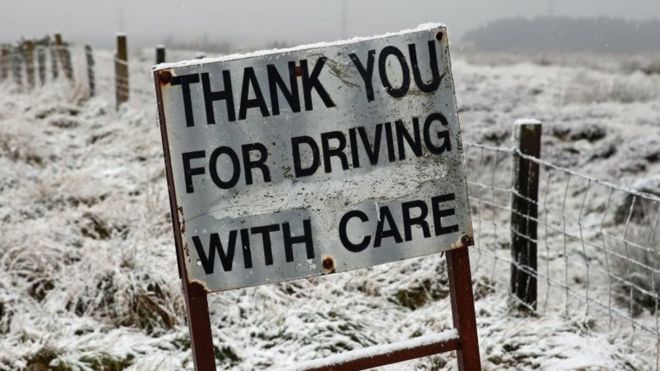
(87, 265)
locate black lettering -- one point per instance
(435, 73)
(350, 246)
(355, 154)
(409, 221)
(208, 260)
(249, 78)
(211, 96)
(310, 82)
(391, 155)
(298, 170)
(185, 81)
(444, 134)
(402, 135)
(275, 81)
(265, 232)
(188, 172)
(438, 214)
(247, 253)
(305, 238)
(328, 152)
(366, 73)
(386, 215)
(249, 164)
(372, 152)
(405, 71)
(213, 167)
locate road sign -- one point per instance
(318, 159)
(323, 158)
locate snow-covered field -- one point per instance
(88, 274)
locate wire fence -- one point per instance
(597, 242)
(597, 245)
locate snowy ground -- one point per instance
(87, 266)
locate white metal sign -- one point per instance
(316, 159)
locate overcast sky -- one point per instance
(247, 23)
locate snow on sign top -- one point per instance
(312, 160)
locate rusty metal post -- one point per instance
(90, 70)
(121, 70)
(28, 57)
(197, 307)
(41, 64)
(4, 63)
(199, 326)
(524, 212)
(160, 54)
(462, 307)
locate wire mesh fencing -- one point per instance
(597, 244)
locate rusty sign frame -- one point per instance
(465, 344)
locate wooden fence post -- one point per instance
(65, 57)
(28, 56)
(17, 66)
(121, 70)
(90, 70)
(4, 63)
(524, 212)
(41, 64)
(53, 60)
(160, 54)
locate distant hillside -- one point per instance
(612, 35)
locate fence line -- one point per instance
(598, 242)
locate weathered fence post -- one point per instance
(65, 57)
(28, 56)
(90, 70)
(41, 64)
(524, 211)
(4, 63)
(17, 66)
(121, 70)
(160, 54)
(53, 60)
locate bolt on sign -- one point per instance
(317, 159)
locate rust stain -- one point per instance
(182, 220)
(467, 240)
(165, 77)
(439, 35)
(328, 264)
(198, 287)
